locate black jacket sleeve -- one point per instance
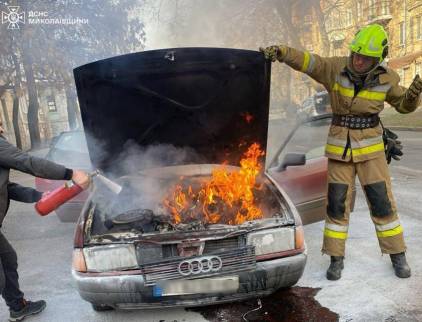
(23, 194)
(13, 158)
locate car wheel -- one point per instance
(101, 307)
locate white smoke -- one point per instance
(139, 191)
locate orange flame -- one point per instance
(226, 197)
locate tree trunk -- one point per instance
(6, 115)
(71, 108)
(16, 120)
(285, 10)
(321, 25)
(15, 109)
(33, 105)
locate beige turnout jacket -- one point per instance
(383, 85)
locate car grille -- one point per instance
(233, 261)
(218, 245)
(211, 246)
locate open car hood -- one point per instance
(212, 100)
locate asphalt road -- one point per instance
(368, 290)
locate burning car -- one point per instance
(198, 221)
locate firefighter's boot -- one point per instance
(336, 266)
(401, 268)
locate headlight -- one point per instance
(300, 238)
(78, 260)
(110, 258)
(272, 240)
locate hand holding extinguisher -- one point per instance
(80, 181)
(54, 199)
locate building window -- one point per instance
(359, 10)
(402, 34)
(371, 9)
(23, 103)
(411, 29)
(385, 7)
(51, 104)
(332, 23)
(337, 48)
(401, 74)
(307, 19)
(406, 76)
(349, 17)
(419, 27)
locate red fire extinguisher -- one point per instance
(57, 197)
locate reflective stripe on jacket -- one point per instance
(383, 86)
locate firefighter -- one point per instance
(13, 158)
(358, 85)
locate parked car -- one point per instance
(68, 148)
(164, 120)
(317, 104)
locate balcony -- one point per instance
(381, 19)
(379, 12)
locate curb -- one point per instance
(404, 128)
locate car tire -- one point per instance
(101, 307)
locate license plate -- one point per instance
(224, 284)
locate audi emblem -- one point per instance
(206, 264)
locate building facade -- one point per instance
(52, 115)
(342, 19)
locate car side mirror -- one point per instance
(292, 159)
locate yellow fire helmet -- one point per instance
(372, 41)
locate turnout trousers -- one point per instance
(376, 184)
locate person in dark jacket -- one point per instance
(13, 158)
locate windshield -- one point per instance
(72, 141)
(70, 149)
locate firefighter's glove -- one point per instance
(274, 53)
(415, 89)
(393, 147)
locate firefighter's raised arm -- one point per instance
(319, 68)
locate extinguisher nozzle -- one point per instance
(94, 174)
(114, 187)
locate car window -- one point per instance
(72, 141)
(310, 138)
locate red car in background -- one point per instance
(68, 148)
(300, 167)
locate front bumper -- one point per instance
(130, 291)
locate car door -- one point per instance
(305, 183)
